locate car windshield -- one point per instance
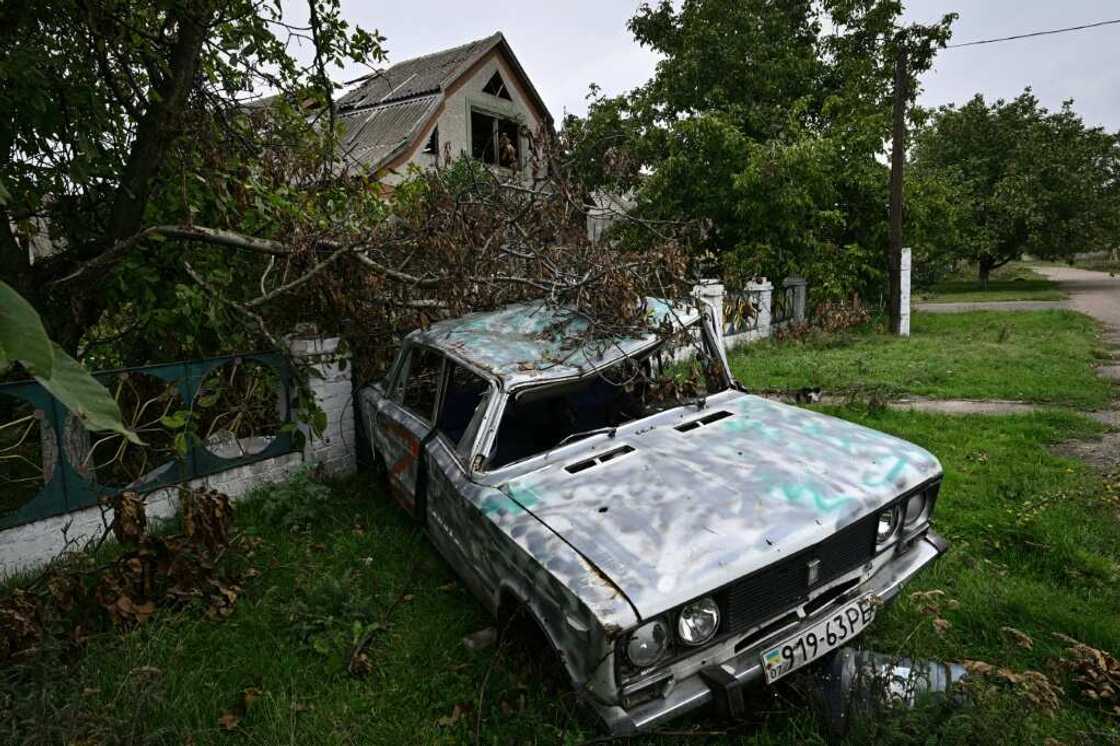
(680, 370)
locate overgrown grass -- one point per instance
(1039, 356)
(1014, 281)
(1033, 549)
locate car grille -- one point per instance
(783, 585)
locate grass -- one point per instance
(1038, 356)
(1033, 549)
(1013, 281)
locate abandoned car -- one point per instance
(674, 536)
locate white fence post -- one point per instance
(800, 297)
(904, 294)
(331, 382)
(762, 294)
(711, 291)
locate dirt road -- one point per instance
(1093, 293)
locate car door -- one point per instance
(453, 521)
(406, 418)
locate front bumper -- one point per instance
(723, 677)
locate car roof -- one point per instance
(538, 341)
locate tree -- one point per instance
(1030, 180)
(763, 130)
(112, 112)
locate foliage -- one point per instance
(23, 340)
(1026, 180)
(762, 129)
(294, 503)
(76, 597)
(142, 117)
(234, 222)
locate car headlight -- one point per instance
(888, 523)
(648, 643)
(698, 621)
(916, 508)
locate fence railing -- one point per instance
(196, 418)
(757, 310)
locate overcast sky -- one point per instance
(564, 46)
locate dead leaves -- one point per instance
(1033, 686)
(21, 626)
(1096, 674)
(230, 719)
(207, 517)
(931, 603)
(129, 519)
(152, 572)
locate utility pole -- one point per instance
(898, 155)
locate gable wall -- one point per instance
(453, 116)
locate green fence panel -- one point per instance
(68, 486)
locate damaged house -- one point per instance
(474, 99)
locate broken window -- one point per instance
(495, 140)
(433, 142)
(464, 402)
(419, 382)
(678, 371)
(496, 87)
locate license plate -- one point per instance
(829, 634)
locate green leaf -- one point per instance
(176, 420)
(80, 392)
(22, 336)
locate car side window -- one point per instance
(464, 402)
(418, 386)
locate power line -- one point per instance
(1033, 34)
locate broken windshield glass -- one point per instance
(679, 371)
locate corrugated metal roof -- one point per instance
(414, 77)
(372, 135)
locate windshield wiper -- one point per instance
(587, 433)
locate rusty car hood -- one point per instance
(693, 507)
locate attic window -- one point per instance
(496, 87)
(433, 142)
(495, 140)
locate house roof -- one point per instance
(373, 135)
(388, 110)
(540, 342)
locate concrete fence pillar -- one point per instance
(800, 298)
(761, 293)
(330, 381)
(904, 294)
(711, 292)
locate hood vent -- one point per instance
(707, 419)
(600, 459)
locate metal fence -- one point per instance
(784, 308)
(742, 312)
(196, 418)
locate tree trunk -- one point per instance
(985, 273)
(157, 128)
